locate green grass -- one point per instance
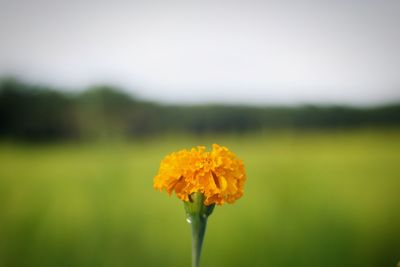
(311, 199)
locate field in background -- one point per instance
(311, 199)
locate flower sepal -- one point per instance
(195, 207)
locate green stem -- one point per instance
(197, 214)
(198, 230)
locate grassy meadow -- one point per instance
(312, 198)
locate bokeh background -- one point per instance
(93, 94)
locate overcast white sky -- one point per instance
(262, 52)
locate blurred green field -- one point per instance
(311, 199)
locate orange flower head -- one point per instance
(218, 174)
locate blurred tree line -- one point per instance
(35, 112)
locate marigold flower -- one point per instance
(219, 175)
